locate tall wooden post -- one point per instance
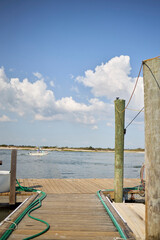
(151, 77)
(119, 149)
(12, 196)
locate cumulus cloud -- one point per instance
(24, 97)
(69, 105)
(35, 100)
(83, 113)
(112, 80)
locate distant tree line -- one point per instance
(79, 148)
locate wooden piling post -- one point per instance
(12, 196)
(119, 149)
(151, 77)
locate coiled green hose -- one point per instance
(33, 206)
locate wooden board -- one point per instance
(6, 223)
(72, 209)
(123, 225)
(71, 216)
(75, 185)
(134, 215)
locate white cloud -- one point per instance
(3, 78)
(112, 80)
(38, 75)
(69, 105)
(49, 118)
(51, 83)
(5, 118)
(36, 101)
(95, 127)
(24, 97)
(87, 114)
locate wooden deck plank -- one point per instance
(78, 218)
(52, 188)
(76, 185)
(134, 215)
(72, 209)
(68, 235)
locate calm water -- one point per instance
(71, 164)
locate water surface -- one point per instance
(71, 164)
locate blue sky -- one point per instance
(63, 63)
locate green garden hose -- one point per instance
(38, 203)
(112, 217)
(33, 206)
(109, 212)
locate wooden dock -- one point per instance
(72, 209)
(134, 215)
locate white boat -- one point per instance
(4, 181)
(39, 152)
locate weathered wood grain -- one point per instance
(72, 209)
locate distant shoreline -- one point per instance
(67, 149)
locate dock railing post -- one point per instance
(151, 78)
(12, 196)
(119, 149)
